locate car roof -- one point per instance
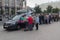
(21, 15)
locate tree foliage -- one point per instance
(37, 9)
(13, 11)
(1, 11)
(49, 9)
(55, 10)
(45, 11)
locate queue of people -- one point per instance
(28, 22)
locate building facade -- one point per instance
(9, 7)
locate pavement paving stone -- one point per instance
(45, 32)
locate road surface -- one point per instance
(45, 32)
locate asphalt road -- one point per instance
(45, 32)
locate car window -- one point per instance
(16, 17)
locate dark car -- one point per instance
(13, 23)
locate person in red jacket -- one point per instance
(30, 22)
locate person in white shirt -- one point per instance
(37, 21)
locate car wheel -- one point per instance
(18, 27)
(0, 19)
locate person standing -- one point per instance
(40, 19)
(37, 21)
(50, 19)
(47, 19)
(30, 22)
(22, 22)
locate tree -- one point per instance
(55, 10)
(37, 9)
(45, 11)
(2, 11)
(49, 9)
(13, 11)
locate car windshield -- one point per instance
(23, 11)
(17, 17)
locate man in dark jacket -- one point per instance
(40, 19)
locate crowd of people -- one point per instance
(28, 22)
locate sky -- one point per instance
(32, 3)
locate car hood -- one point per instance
(11, 22)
